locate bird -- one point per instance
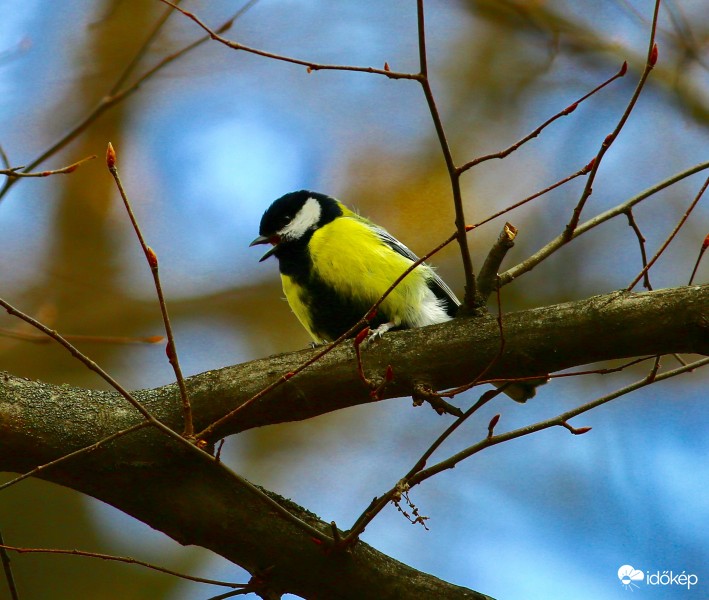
(335, 264)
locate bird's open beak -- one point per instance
(262, 239)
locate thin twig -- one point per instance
(142, 50)
(611, 137)
(225, 596)
(469, 300)
(15, 172)
(672, 235)
(7, 568)
(124, 559)
(310, 65)
(529, 263)
(81, 451)
(702, 250)
(567, 111)
(534, 378)
(152, 259)
(4, 159)
(38, 338)
(641, 241)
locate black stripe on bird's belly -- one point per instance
(332, 313)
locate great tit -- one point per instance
(336, 264)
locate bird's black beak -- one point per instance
(262, 239)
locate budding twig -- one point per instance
(469, 300)
(13, 172)
(562, 113)
(611, 137)
(672, 235)
(702, 250)
(561, 240)
(641, 241)
(309, 65)
(152, 259)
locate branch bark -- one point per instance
(152, 478)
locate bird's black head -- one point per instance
(294, 217)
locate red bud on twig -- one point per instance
(359, 338)
(653, 55)
(589, 166)
(110, 156)
(152, 257)
(705, 244)
(491, 425)
(571, 108)
(623, 69)
(581, 430)
(576, 430)
(371, 315)
(288, 375)
(386, 66)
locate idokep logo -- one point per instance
(628, 576)
(631, 578)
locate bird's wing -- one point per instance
(438, 286)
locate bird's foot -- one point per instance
(379, 332)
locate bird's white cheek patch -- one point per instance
(307, 218)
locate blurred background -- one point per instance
(208, 141)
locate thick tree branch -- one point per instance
(538, 341)
(153, 478)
